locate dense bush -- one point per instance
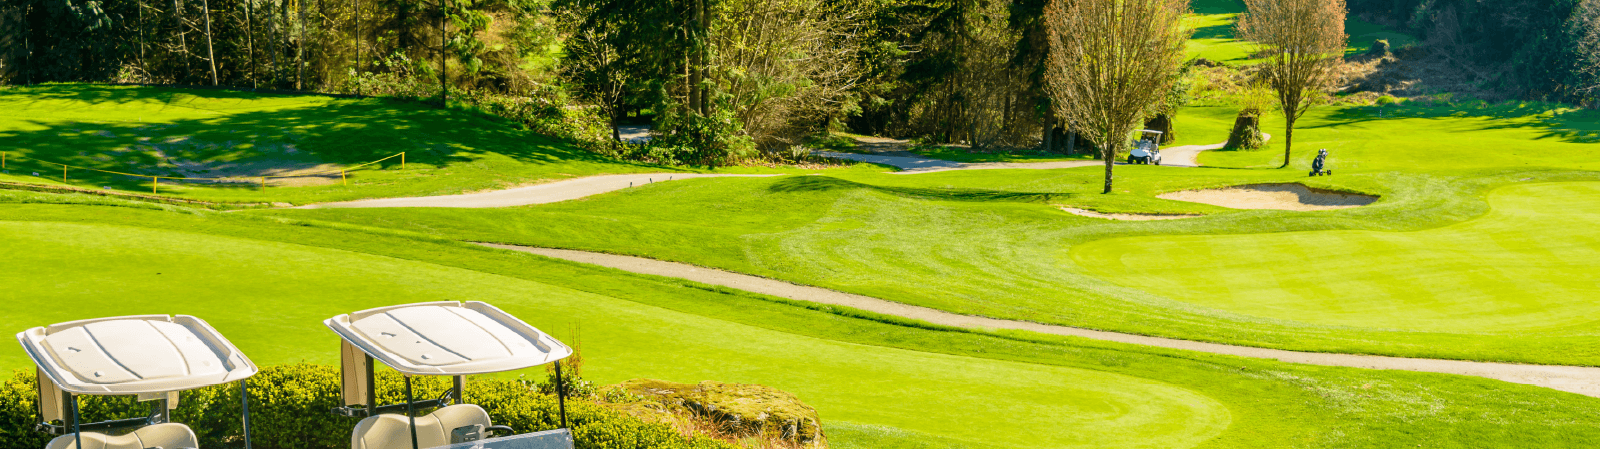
(290, 408)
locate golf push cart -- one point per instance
(440, 339)
(1147, 149)
(151, 356)
(1319, 165)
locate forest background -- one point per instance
(727, 80)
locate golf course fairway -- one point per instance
(270, 299)
(1526, 266)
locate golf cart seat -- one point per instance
(164, 436)
(391, 431)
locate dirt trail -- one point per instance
(570, 189)
(1580, 380)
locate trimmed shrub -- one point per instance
(290, 407)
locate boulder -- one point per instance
(742, 410)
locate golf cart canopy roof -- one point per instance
(447, 338)
(134, 354)
(1151, 131)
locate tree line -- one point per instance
(718, 79)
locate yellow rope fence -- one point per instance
(155, 181)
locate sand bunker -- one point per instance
(1273, 196)
(1132, 217)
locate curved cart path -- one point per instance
(1580, 380)
(570, 189)
(909, 164)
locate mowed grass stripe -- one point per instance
(1527, 266)
(270, 299)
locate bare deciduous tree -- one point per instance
(1111, 64)
(786, 66)
(1304, 41)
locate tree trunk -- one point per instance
(183, 43)
(1162, 122)
(300, 51)
(250, 42)
(444, 87)
(1288, 141)
(142, 65)
(1246, 134)
(403, 17)
(272, 36)
(211, 54)
(1072, 143)
(1110, 155)
(357, 16)
(696, 59)
(1044, 141)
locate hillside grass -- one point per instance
(1214, 33)
(878, 381)
(171, 132)
(993, 243)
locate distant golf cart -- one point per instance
(1319, 166)
(151, 356)
(1146, 149)
(440, 339)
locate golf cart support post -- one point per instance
(151, 356)
(444, 338)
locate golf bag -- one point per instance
(1318, 164)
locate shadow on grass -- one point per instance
(793, 184)
(255, 142)
(1573, 126)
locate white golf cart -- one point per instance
(151, 356)
(1147, 148)
(440, 339)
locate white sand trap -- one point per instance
(1294, 197)
(1131, 217)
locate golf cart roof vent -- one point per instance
(134, 354)
(448, 338)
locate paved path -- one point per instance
(915, 165)
(570, 189)
(1187, 155)
(1580, 380)
(883, 153)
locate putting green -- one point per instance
(270, 298)
(1526, 266)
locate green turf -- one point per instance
(891, 236)
(270, 299)
(878, 381)
(209, 133)
(1525, 267)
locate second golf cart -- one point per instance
(1147, 148)
(440, 339)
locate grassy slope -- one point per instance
(149, 130)
(960, 389)
(890, 235)
(1213, 23)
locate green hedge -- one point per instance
(289, 408)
